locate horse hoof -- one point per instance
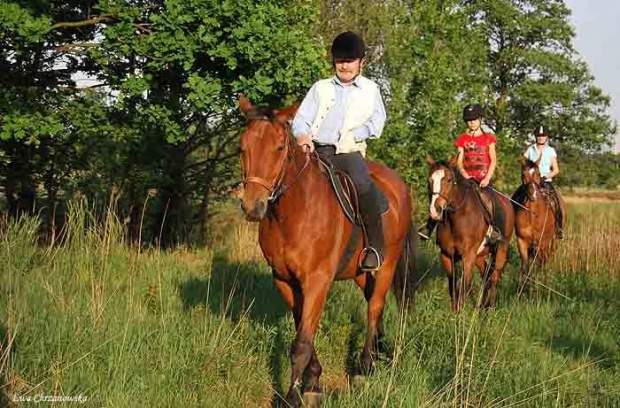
(312, 399)
(293, 399)
(358, 379)
(366, 366)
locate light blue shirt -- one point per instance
(546, 162)
(329, 132)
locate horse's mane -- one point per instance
(530, 164)
(262, 112)
(460, 180)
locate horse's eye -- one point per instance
(280, 148)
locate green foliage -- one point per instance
(163, 122)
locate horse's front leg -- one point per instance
(464, 284)
(305, 364)
(375, 291)
(524, 248)
(448, 264)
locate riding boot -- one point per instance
(559, 230)
(427, 229)
(494, 236)
(370, 206)
(557, 210)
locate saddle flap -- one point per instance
(346, 193)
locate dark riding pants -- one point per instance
(351, 163)
(354, 165)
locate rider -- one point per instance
(548, 168)
(336, 118)
(476, 161)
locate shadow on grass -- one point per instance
(243, 290)
(580, 348)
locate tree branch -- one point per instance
(91, 21)
(69, 47)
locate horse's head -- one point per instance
(441, 185)
(530, 177)
(265, 146)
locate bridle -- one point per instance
(276, 188)
(537, 190)
(449, 207)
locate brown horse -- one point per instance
(462, 230)
(309, 242)
(535, 224)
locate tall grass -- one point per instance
(127, 326)
(593, 240)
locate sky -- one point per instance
(597, 24)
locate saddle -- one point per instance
(347, 194)
(492, 210)
(552, 195)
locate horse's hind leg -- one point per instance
(448, 263)
(366, 283)
(490, 285)
(305, 364)
(376, 303)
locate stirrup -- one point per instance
(423, 236)
(363, 256)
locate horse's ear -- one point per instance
(537, 163)
(430, 161)
(285, 114)
(453, 161)
(522, 160)
(245, 105)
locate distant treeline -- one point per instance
(157, 133)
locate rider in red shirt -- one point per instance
(476, 160)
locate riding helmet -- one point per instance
(472, 112)
(348, 45)
(540, 131)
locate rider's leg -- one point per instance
(558, 210)
(426, 230)
(370, 205)
(497, 216)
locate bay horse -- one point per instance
(535, 218)
(462, 230)
(309, 243)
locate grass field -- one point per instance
(128, 327)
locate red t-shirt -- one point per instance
(476, 160)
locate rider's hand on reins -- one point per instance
(305, 141)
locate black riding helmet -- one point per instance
(348, 45)
(540, 131)
(472, 112)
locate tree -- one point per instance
(178, 68)
(536, 75)
(39, 149)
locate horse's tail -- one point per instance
(404, 283)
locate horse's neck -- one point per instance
(541, 202)
(464, 192)
(302, 181)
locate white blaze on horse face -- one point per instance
(532, 171)
(436, 177)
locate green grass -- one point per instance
(98, 318)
